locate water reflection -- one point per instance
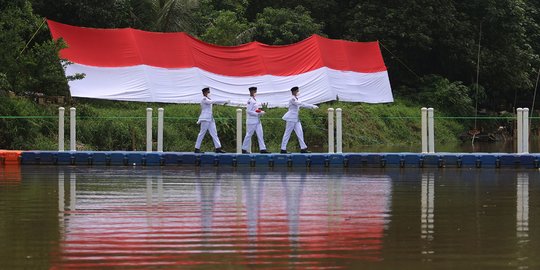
(64, 212)
(72, 191)
(251, 218)
(208, 190)
(293, 197)
(10, 174)
(61, 200)
(263, 218)
(522, 219)
(253, 187)
(427, 216)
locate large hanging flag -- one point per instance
(134, 65)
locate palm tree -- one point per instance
(166, 15)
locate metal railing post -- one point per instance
(339, 131)
(238, 131)
(431, 131)
(519, 130)
(330, 130)
(148, 129)
(61, 112)
(72, 129)
(160, 130)
(525, 131)
(424, 131)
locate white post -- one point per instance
(431, 131)
(160, 130)
(339, 131)
(330, 130)
(61, 111)
(519, 130)
(238, 131)
(72, 130)
(525, 131)
(424, 131)
(148, 129)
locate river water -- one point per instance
(263, 218)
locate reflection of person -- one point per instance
(293, 189)
(254, 192)
(253, 123)
(206, 120)
(209, 191)
(293, 123)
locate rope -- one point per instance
(234, 118)
(477, 76)
(25, 117)
(534, 96)
(399, 60)
(27, 43)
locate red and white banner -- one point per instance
(134, 65)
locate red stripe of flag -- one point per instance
(131, 47)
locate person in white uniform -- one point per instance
(253, 123)
(293, 123)
(206, 120)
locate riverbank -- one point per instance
(114, 125)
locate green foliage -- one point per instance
(227, 30)
(4, 85)
(28, 66)
(285, 26)
(40, 70)
(21, 133)
(434, 37)
(392, 124)
(165, 15)
(418, 38)
(236, 6)
(105, 125)
(16, 26)
(437, 92)
(89, 13)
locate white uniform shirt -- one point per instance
(206, 109)
(252, 117)
(294, 107)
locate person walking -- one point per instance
(206, 120)
(293, 122)
(253, 123)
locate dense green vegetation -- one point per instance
(456, 56)
(113, 125)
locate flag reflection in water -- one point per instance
(191, 217)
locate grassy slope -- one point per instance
(107, 125)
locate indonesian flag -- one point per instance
(134, 65)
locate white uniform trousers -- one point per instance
(297, 127)
(209, 126)
(254, 128)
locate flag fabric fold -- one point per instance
(134, 65)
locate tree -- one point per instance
(506, 58)
(87, 13)
(227, 29)
(333, 13)
(442, 37)
(285, 26)
(27, 64)
(237, 6)
(166, 15)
